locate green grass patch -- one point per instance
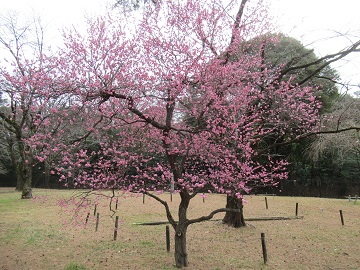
(74, 266)
(147, 244)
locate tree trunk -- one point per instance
(181, 258)
(24, 169)
(25, 178)
(234, 219)
(26, 192)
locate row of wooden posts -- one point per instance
(167, 234)
(167, 231)
(297, 210)
(355, 198)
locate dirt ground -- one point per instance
(40, 234)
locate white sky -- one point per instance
(311, 21)
(315, 21)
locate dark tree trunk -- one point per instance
(234, 219)
(25, 178)
(24, 172)
(181, 258)
(24, 181)
(26, 192)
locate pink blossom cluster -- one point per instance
(179, 100)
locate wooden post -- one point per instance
(266, 203)
(296, 209)
(87, 218)
(203, 198)
(143, 198)
(356, 198)
(95, 210)
(349, 198)
(116, 227)
(342, 217)
(167, 238)
(263, 244)
(171, 196)
(97, 222)
(117, 201)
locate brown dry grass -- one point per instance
(32, 235)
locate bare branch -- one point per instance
(326, 60)
(210, 216)
(237, 21)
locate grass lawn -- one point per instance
(40, 234)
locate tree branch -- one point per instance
(210, 216)
(137, 112)
(330, 58)
(164, 203)
(307, 135)
(237, 21)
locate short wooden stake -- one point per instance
(116, 227)
(167, 238)
(203, 198)
(342, 217)
(117, 201)
(95, 210)
(266, 203)
(296, 209)
(97, 222)
(143, 198)
(87, 218)
(171, 196)
(263, 244)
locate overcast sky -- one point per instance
(311, 21)
(319, 24)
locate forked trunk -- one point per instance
(234, 219)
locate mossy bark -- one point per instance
(24, 172)
(26, 181)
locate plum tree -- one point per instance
(173, 65)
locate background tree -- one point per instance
(4, 158)
(134, 4)
(307, 69)
(280, 55)
(287, 54)
(28, 84)
(301, 64)
(336, 156)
